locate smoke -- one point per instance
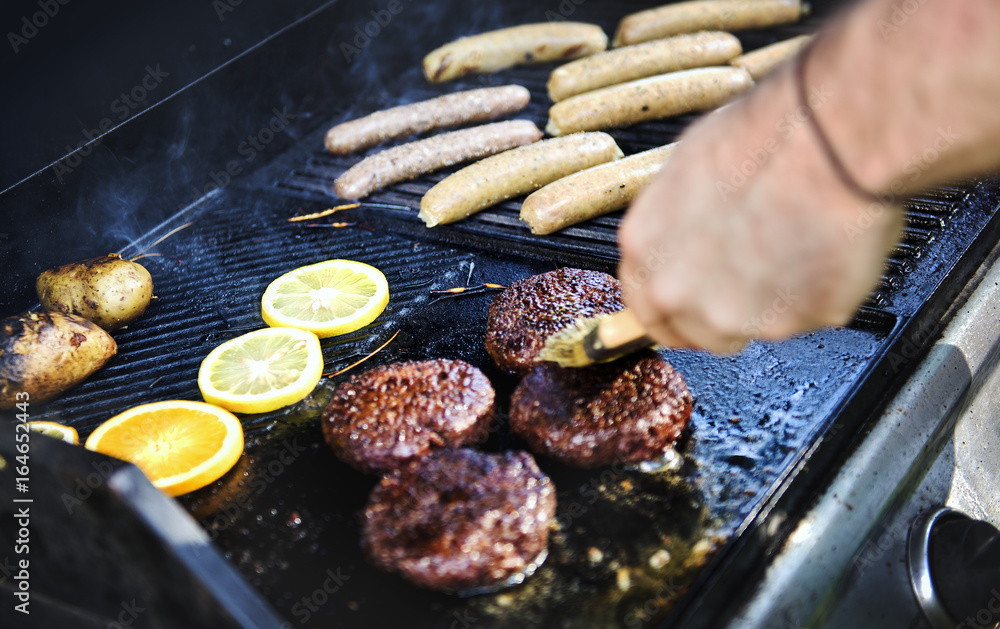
(380, 45)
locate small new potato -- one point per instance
(108, 290)
(43, 354)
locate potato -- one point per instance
(45, 353)
(109, 291)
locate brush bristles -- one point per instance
(567, 347)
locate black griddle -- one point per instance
(632, 548)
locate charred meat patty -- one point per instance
(460, 519)
(626, 411)
(382, 418)
(530, 310)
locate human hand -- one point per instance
(749, 232)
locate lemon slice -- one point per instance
(180, 446)
(262, 371)
(57, 431)
(328, 298)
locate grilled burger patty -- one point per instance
(460, 519)
(626, 411)
(382, 418)
(530, 310)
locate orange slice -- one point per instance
(179, 445)
(55, 430)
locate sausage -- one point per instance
(506, 47)
(513, 173)
(762, 61)
(592, 192)
(410, 160)
(635, 62)
(450, 110)
(648, 99)
(43, 354)
(705, 15)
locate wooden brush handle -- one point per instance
(620, 329)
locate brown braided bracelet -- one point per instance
(824, 141)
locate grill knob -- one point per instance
(954, 564)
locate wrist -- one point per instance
(911, 95)
(808, 105)
(772, 133)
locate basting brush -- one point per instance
(597, 339)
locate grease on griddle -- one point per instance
(625, 549)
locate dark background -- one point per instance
(222, 84)
(60, 203)
(69, 76)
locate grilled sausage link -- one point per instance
(506, 47)
(592, 192)
(407, 161)
(705, 15)
(513, 173)
(635, 62)
(647, 99)
(449, 110)
(762, 61)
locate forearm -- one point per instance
(751, 230)
(910, 91)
